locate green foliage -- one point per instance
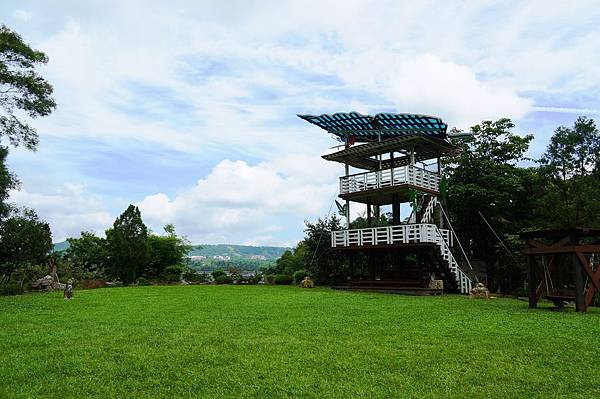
(192, 275)
(142, 281)
(571, 162)
(322, 262)
(88, 253)
(11, 289)
(165, 250)
(282, 279)
(24, 238)
(299, 275)
(128, 245)
(173, 273)
(270, 278)
(485, 179)
(23, 89)
(218, 273)
(223, 279)
(8, 182)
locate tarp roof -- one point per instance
(382, 125)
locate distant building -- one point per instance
(197, 257)
(221, 257)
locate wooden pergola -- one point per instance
(580, 247)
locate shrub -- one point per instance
(217, 273)
(270, 278)
(255, 279)
(95, 283)
(172, 273)
(223, 279)
(142, 281)
(282, 279)
(299, 275)
(11, 289)
(192, 276)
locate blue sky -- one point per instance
(187, 108)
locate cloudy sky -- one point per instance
(187, 108)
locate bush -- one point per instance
(282, 279)
(223, 279)
(192, 276)
(11, 289)
(142, 281)
(253, 280)
(172, 273)
(95, 283)
(217, 273)
(270, 278)
(299, 275)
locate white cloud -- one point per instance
(239, 200)
(69, 210)
(22, 15)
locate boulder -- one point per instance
(479, 292)
(436, 284)
(45, 282)
(307, 283)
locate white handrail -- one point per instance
(407, 174)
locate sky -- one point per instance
(187, 109)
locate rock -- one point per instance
(43, 283)
(479, 292)
(68, 293)
(307, 283)
(436, 284)
(59, 286)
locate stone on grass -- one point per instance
(307, 283)
(479, 292)
(43, 283)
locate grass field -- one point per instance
(269, 341)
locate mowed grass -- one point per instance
(269, 341)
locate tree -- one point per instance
(322, 261)
(128, 245)
(7, 182)
(571, 162)
(24, 239)
(292, 261)
(88, 253)
(484, 179)
(166, 251)
(21, 89)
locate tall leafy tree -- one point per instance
(321, 260)
(22, 89)
(167, 250)
(572, 162)
(24, 238)
(485, 179)
(128, 245)
(88, 252)
(7, 182)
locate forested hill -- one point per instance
(233, 251)
(238, 251)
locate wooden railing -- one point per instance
(390, 177)
(405, 234)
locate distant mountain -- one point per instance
(237, 251)
(61, 246)
(233, 251)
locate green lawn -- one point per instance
(268, 341)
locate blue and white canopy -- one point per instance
(380, 126)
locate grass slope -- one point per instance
(267, 341)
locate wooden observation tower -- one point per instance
(395, 159)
